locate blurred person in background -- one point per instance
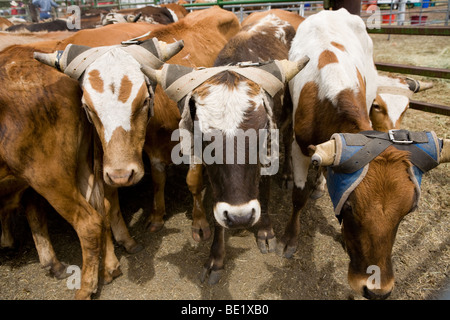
(45, 7)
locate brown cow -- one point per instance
(116, 132)
(205, 33)
(226, 102)
(42, 147)
(334, 94)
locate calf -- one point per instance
(125, 130)
(334, 93)
(230, 102)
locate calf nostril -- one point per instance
(226, 217)
(368, 294)
(130, 177)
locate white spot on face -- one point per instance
(224, 108)
(224, 211)
(113, 66)
(396, 104)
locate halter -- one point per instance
(354, 152)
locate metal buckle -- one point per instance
(392, 137)
(245, 64)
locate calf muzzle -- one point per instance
(237, 216)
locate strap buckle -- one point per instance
(405, 139)
(245, 64)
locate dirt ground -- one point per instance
(171, 262)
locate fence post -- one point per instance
(401, 12)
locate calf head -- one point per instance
(230, 107)
(392, 101)
(372, 197)
(117, 97)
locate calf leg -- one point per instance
(200, 226)
(10, 204)
(304, 185)
(214, 266)
(118, 226)
(155, 221)
(6, 240)
(94, 191)
(266, 236)
(37, 219)
(287, 132)
(89, 226)
(110, 263)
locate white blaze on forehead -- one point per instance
(354, 52)
(271, 20)
(396, 104)
(113, 107)
(224, 108)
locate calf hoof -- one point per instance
(285, 250)
(316, 194)
(83, 294)
(267, 245)
(134, 248)
(109, 276)
(59, 270)
(213, 275)
(154, 226)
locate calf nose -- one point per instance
(120, 177)
(237, 216)
(375, 294)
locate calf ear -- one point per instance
(62, 58)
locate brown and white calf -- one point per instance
(227, 104)
(334, 94)
(47, 142)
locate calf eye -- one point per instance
(376, 107)
(347, 207)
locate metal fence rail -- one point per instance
(420, 13)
